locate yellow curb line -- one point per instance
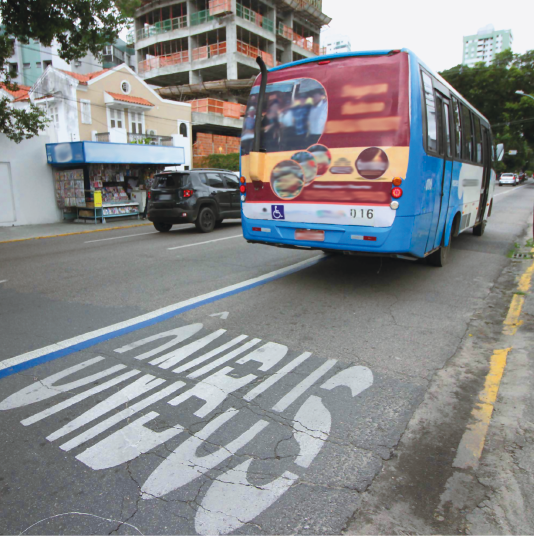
(472, 442)
(76, 233)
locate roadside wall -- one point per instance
(27, 192)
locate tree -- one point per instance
(78, 26)
(492, 90)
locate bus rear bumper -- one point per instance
(350, 238)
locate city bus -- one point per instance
(363, 153)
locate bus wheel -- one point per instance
(479, 229)
(440, 257)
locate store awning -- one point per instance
(94, 152)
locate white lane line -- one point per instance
(509, 192)
(206, 242)
(3, 281)
(117, 237)
(91, 338)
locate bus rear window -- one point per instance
(351, 102)
(171, 180)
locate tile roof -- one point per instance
(130, 99)
(20, 95)
(84, 78)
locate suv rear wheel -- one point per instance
(206, 220)
(163, 227)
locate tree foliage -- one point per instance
(492, 90)
(78, 26)
(222, 161)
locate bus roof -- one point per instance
(381, 53)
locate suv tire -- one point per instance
(163, 227)
(218, 223)
(205, 220)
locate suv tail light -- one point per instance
(149, 195)
(188, 193)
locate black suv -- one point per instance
(201, 196)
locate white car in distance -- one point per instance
(509, 178)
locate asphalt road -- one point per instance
(270, 418)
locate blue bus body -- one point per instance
(442, 194)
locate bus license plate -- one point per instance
(310, 235)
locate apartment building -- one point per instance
(485, 44)
(29, 61)
(337, 44)
(204, 52)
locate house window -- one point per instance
(126, 87)
(137, 121)
(85, 107)
(183, 130)
(115, 118)
(47, 63)
(53, 114)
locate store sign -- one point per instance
(98, 198)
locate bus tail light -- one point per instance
(149, 195)
(397, 181)
(396, 192)
(242, 188)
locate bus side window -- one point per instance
(478, 141)
(430, 105)
(457, 129)
(467, 147)
(446, 117)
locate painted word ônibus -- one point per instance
(364, 152)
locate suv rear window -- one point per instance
(171, 180)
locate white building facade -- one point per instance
(485, 44)
(337, 44)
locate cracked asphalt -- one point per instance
(377, 332)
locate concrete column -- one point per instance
(195, 77)
(231, 50)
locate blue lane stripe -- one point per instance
(135, 327)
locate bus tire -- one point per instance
(440, 257)
(479, 229)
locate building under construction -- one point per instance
(204, 51)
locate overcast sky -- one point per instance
(433, 30)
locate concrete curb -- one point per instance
(76, 233)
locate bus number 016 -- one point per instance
(362, 213)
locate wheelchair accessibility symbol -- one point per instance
(277, 212)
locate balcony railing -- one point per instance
(220, 7)
(161, 27)
(307, 44)
(149, 139)
(102, 136)
(255, 18)
(163, 61)
(200, 17)
(214, 106)
(209, 51)
(254, 52)
(284, 31)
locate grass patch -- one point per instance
(513, 251)
(520, 293)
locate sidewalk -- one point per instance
(49, 230)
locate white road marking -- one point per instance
(127, 444)
(167, 361)
(4, 281)
(62, 345)
(117, 237)
(223, 315)
(82, 396)
(268, 355)
(213, 390)
(206, 242)
(211, 354)
(178, 335)
(276, 377)
(47, 388)
(121, 415)
(223, 359)
(312, 425)
(124, 396)
(357, 379)
(510, 191)
(183, 465)
(307, 382)
(232, 501)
